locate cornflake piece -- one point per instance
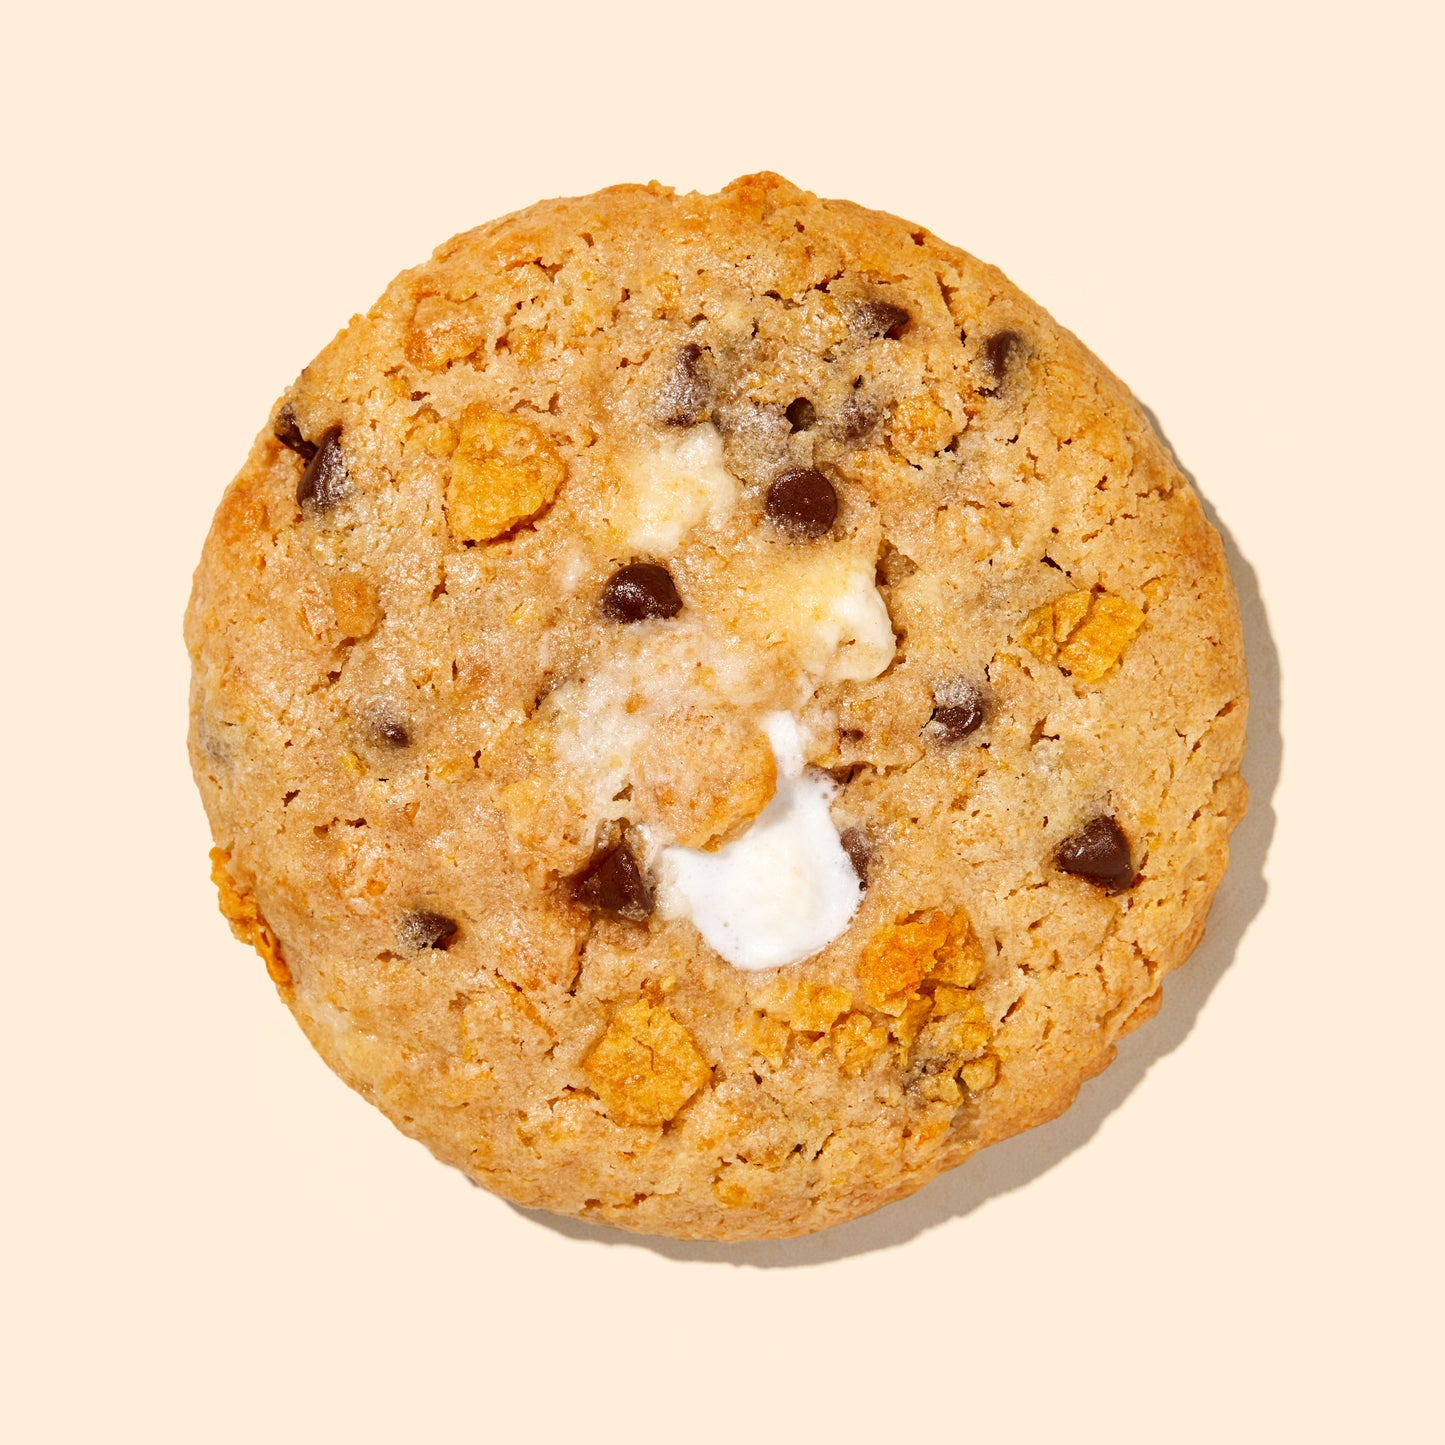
(981, 1074)
(768, 1037)
(1085, 633)
(960, 960)
(247, 923)
(504, 471)
(901, 956)
(356, 604)
(916, 1013)
(646, 1066)
(730, 1191)
(443, 331)
(810, 1008)
(921, 426)
(1109, 628)
(856, 1042)
(950, 1000)
(960, 1033)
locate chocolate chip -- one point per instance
(998, 350)
(802, 503)
(801, 414)
(640, 590)
(613, 883)
(422, 929)
(856, 419)
(961, 714)
(855, 845)
(687, 396)
(882, 318)
(323, 483)
(1099, 851)
(286, 431)
(391, 732)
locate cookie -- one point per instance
(713, 709)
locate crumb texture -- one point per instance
(493, 617)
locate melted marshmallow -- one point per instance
(782, 891)
(674, 485)
(837, 617)
(605, 718)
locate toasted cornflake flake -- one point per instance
(730, 1191)
(921, 426)
(926, 945)
(443, 331)
(1069, 611)
(915, 1014)
(856, 1042)
(808, 1007)
(940, 1089)
(949, 1000)
(1037, 633)
(504, 471)
(246, 920)
(356, 603)
(960, 960)
(646, 1066)
(959, 1034)
(440, 440)
(1097, 645)
(981, 1074)
(768, 1037)
(898, 959)
(1085, 633)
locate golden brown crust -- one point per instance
(1031, 537)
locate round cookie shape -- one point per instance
(649, 569)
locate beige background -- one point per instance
(1233, 1236)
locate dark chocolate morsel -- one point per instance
(613, 883)
(638, 591)
(1099, 851)
(323, 483)
(961, 715)
(882, 318)
(801, 414)
(286, 431)
(857, 419)
(687, 397)
(855, 845)
(998, 350)
(391, 732)
(421, 929)
(802, 502)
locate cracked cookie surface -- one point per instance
(490, 640)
